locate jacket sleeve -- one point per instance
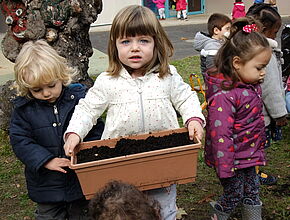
(220, 124)
(184, 100)
(89, 109)
(272, 91)
(33, 155)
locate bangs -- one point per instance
(41, 73)
(136, 23)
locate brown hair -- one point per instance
(217, 20)
(118, 200)
(266, 14)
(138, 20)
(242, 44)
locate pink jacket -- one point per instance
(238, 10)
(181, 5)
(159, 3)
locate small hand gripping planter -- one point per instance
(147, 170)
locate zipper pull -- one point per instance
(55, 111)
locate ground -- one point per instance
(193, 198)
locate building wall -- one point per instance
(226, 6)
(111, 8)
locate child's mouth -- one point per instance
(135, 58)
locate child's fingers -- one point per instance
(70, 144)
(195, 129)
(61, 170)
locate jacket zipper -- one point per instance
(142, 124)
(55, 111)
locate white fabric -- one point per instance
(167, 200)
(184, 14)
(161, 12)
(135, 106)
(206, 53)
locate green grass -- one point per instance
(194, 197)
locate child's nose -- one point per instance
(46, 93)
(135, 46)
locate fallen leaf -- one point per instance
(206, 199)
(180, 213)
(183, 38)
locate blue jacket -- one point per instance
(36, 135)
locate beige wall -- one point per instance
(225, 6)
(111, 8)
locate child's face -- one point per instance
(135, 52)
(47, 92)
(224, 32)
(253, 71)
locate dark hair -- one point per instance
(217, 20)
(266, 14)
(118, 200)
(242, 44)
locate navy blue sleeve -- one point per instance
(24, 146)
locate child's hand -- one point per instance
(71, 142)
(56, 164)
(281, 121)
(195, 129)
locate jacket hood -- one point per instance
(204, 41)
(240, 6)
(126, 75)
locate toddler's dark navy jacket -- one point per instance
(36, 135)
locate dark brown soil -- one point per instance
(132, 146)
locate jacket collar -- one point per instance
(125, 74)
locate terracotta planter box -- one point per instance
(148, 170)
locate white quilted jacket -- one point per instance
(135, 106)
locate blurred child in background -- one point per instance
(181, 6)
(238, 9)
(273, 94)
(218, 26)
(161, 8)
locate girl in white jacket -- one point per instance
(140, 91)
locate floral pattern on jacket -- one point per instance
(235, 131)
(136, 105)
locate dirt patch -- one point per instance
(132, 146)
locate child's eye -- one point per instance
(36, 89)
(51, 85)
(125, 42)
(144, 41)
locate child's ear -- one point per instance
(216, 31)
(236, 62)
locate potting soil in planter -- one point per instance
(132, 146)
